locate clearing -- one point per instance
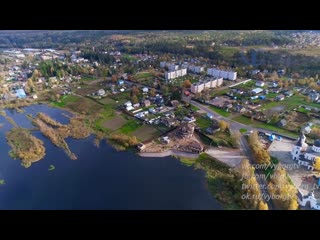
(114, 123)
(145, 132)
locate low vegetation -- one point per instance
(24, 146)
(54, 137)
(122, 141)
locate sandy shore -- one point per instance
(170, 153)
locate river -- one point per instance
(101, 178)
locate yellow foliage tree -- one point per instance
(187, 84)
(316, 164)
(223, 126)
(263, 206)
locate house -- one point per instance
(35, 96)
(282, 123)
(120, 82)
(152, 110)
(314, 96)
(280, 97)
(136, 105)
(145, 90)
(146, 103)
(141, 146)
(257, 91)
(169, 122)
(189, 119)
(239, 108)
(213, 129)
(186, 130)
(165, 139)
(20, 93)
(288, 93)
(259, 83)
(309, 199)
(101, 92)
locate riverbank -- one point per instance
(223, 181)
(170, 153)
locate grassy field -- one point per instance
(243, 120)
(130, 126)
(145, 132)
(243, 130)
(65, 100)
(141, 75)
(107, 100)
(291, 103)
(194, 108)
(114, 123)
(275, 129)
(220, 111)
(88, 78)
(257, 124)
(106, 114)
(203, 122)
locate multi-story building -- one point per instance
(175, 74)
(211, 83)
(222, 74)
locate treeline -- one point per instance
(260, 154)
(282, 191)
(55, 68)
(100, 57)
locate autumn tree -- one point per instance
(35, 75)
(29, 87)
(187, 84)
(316, 164)
(250, 186)
(263, 206)
(260, 154)
(152, 92)
(135, 91)
(223, 125)
(282, 191)
(114, 78)
(134, 99)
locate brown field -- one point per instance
(145, 132)
(88, 89)
(107, 101)
(84, 106)
(114, 123)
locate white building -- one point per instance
(305, 155)
(308, 200)
(259, 83)
(229, 75)
(193, 68)
(175, 74)
(211, 83)
(257, 91)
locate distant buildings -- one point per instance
(211, 83)
(229, 75)
(175, 74)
